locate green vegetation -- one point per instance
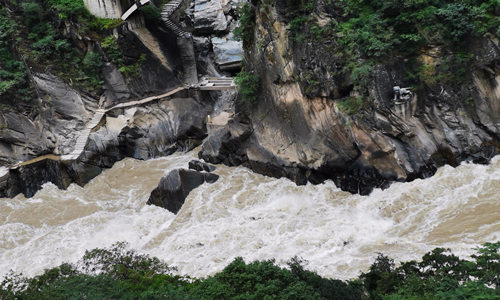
(70, 9)
(365, 33)
(103, 23)
(133, 69)
(13, 74)
(245, 30)
(248, 86)
(352, 105)
(388, 28)
(35, 33)
(150, 13)
(120, 273)
(112, 49)
(440, 275)
(377, 32)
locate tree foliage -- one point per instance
(120, 273)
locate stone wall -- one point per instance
(110, 9)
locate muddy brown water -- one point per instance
(253, 216)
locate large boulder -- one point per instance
(201, 166)
(174, 188)
(228, 53)
(223, 145)
(173, 125)
(209, 16)
(67, 103)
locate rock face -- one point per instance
(174, 188)
(27, 180)
(140, 132)
(201, 166)
(224, 146)
(111, 9)
(228, 53)
(297, 129)
(173, 125)
(209, 16)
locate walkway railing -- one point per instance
(82, 140)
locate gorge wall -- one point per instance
(106, 63)
(301, 129)
(314, 116)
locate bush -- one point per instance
(110, 46)
(150, 13)
(248, 86)
(32, 12)
(103, 23)
(70, 9)
(13, 74)
(245, 30)
(119, 273)
(352, 105)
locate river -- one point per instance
(253, 216)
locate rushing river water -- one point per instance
(253, 216)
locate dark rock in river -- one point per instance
(174, 188)
(201, 166)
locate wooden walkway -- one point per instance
(83, 137)
(215, 83)
(84, 134)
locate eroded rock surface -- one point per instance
(299, 131)
(201, 166)
(209, 16)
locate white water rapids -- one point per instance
(253, 216)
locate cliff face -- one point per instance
(97, 68)
(315, 118)
(302, 130)
(66, 85)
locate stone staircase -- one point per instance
(81, 142)
(83, 138)
(168, 10)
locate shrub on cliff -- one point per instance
(13, 74)
(70, 9)
(150, 13)
(246, 24)
(248, 86)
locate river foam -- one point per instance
(253, 216)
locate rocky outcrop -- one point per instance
(140, 132)
(228, 53)
(27, 180)
(173, 125)
(224, 145)
(174, 188)
(154, 76)
(201, 166)
(209, 16)
(298, 129)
